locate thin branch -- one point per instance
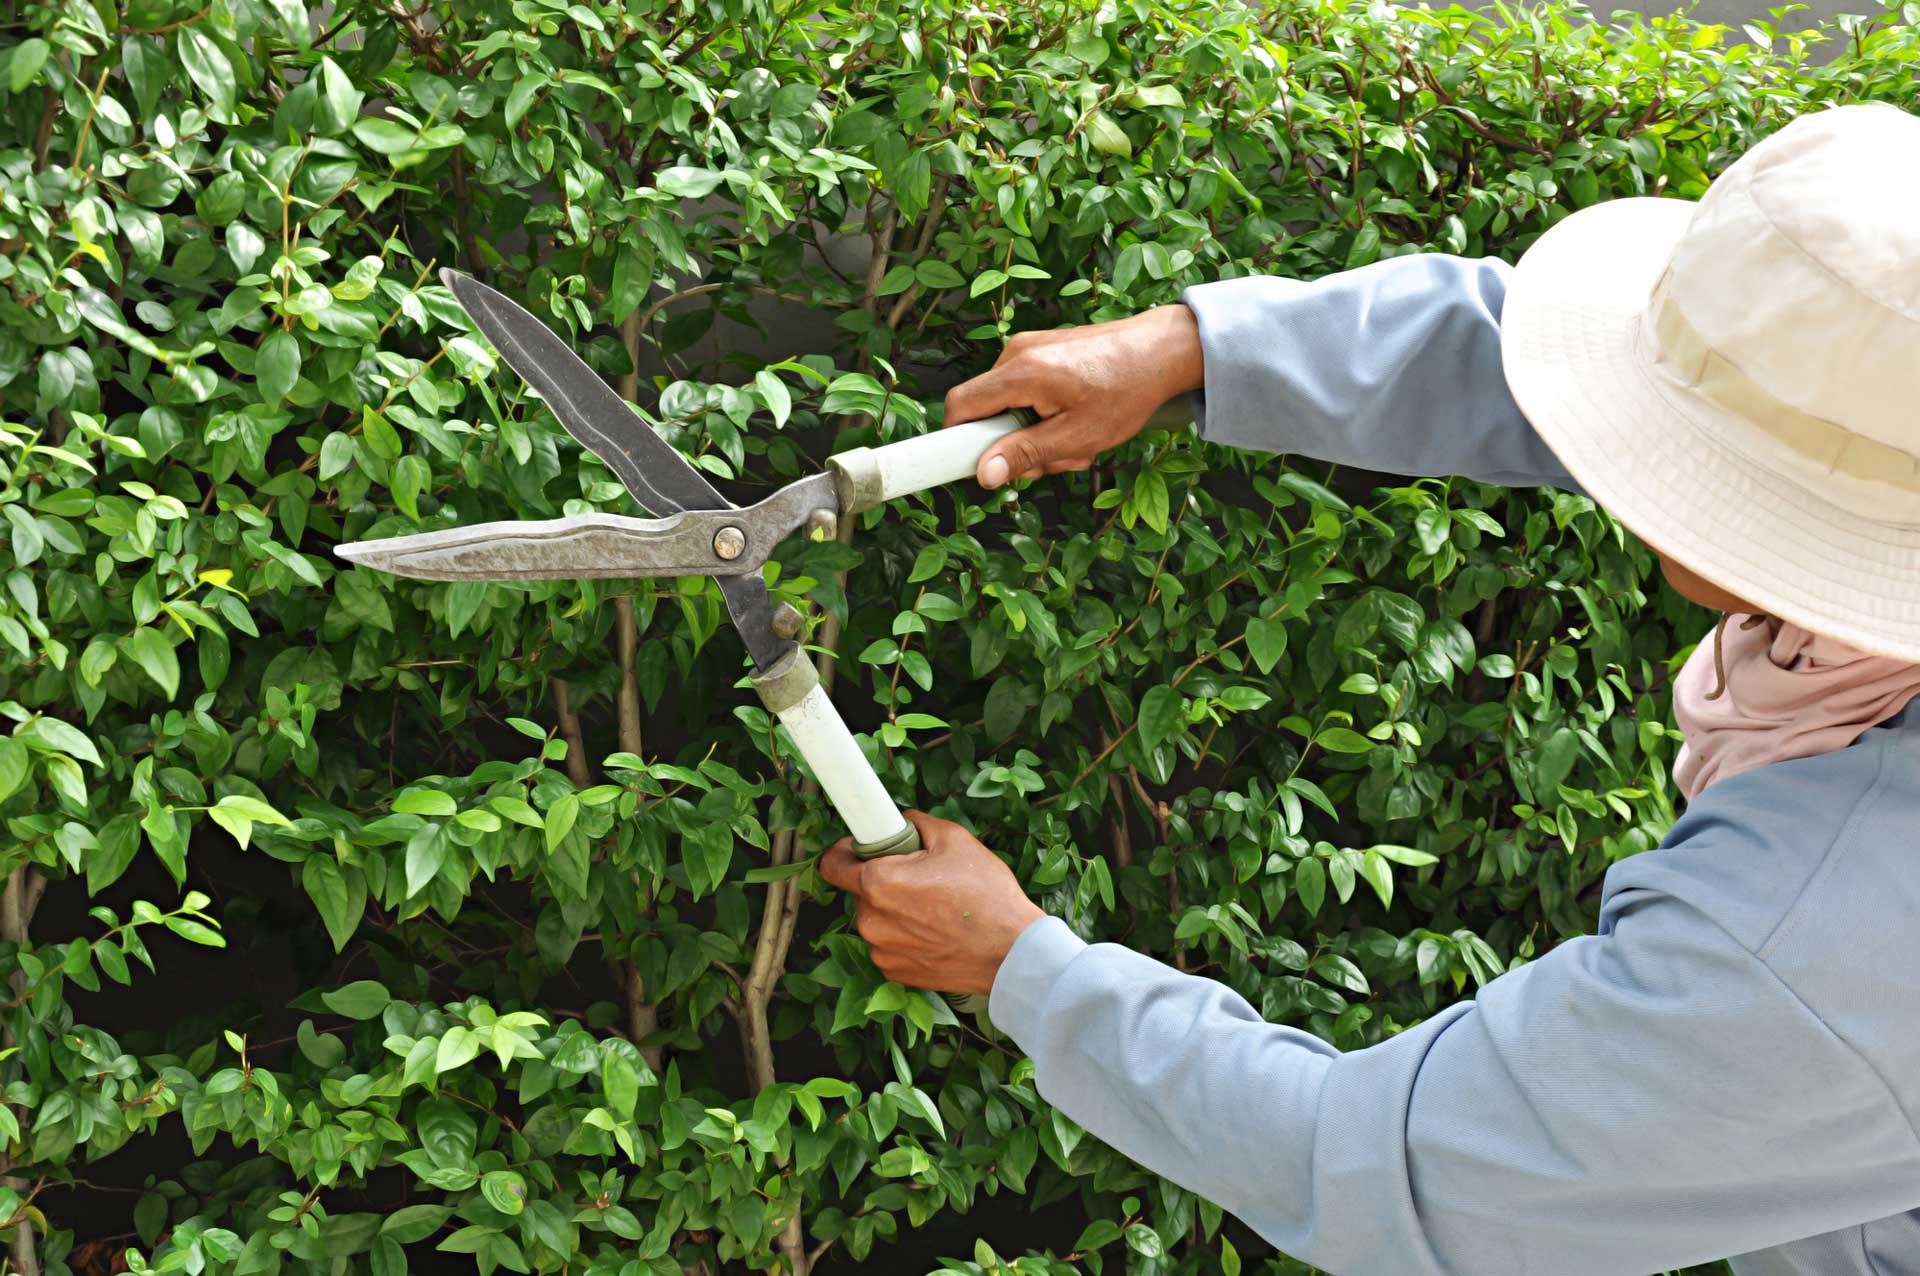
(86, 125)
(43, 138)
(629, 640)
(570, 732)
(469, 246)
(629, 385)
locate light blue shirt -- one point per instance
(1730, 1066)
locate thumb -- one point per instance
(1030, 450)
(841, 867)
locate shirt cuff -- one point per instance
(1238, 333)
(1039, 956)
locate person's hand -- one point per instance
(942, 917)
(1095, 387)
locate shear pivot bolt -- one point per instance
(787, 621)
(822, 525)
(728, 543)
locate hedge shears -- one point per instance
(696, 532)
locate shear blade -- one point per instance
(662, 480)
(582, 547)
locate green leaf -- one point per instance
(15, 765)
(560, 818)
(1088, 48)
(28, 57)
(1108, 137)
(152, 651)
(928, 563)
(51, 735)
(1342, 740)
(195, 932)
(410, 478)
(238, 813)
(342, 98)
(687, 182)
(1161, 711)
(1338, 970)
(1316, 493)
(1145, 95)
(412, 1223)
(1553, 760)
(338, 895)
(362, 999)
(934, 273)
(424, 802)
(387, 137)
(986, 281)
(1406, 855)
(426, 855)
(505, 1190)
(277, 366)
(517, 810)
(1266, 642)
(773, 393)
(1379, 875)
(897, 280)
(1310, 883)
(521, 96)
(888, 998)
(776, 872)
(209, 69)
(459, 1047)
(447, 1130)
(622, 1085)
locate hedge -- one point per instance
(356, 923)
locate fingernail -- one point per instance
(994, 472)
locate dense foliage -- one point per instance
(529, 963)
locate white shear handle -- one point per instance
(792, 691)
(870, 476)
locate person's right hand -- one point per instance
(1094, 388)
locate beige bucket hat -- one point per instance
(1738, 379)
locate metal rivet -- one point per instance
(787, 621)
(822, 525)
(728, 542)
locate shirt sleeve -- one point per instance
(1642, 1099)
(1394, 367)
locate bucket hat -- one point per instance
(1737, 379)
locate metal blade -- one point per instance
(582, 547)
(604, 546)
(659, 477)
(752, 610)
(592, 546)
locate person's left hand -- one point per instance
(942, 917)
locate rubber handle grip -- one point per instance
(871, 476)
(942, 457)
(843, 771)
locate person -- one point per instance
(1731, 1064)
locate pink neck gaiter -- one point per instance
(1788, 693)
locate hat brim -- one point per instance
(1650, 451)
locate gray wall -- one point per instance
(1734, 12)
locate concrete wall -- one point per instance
(1734, 12)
